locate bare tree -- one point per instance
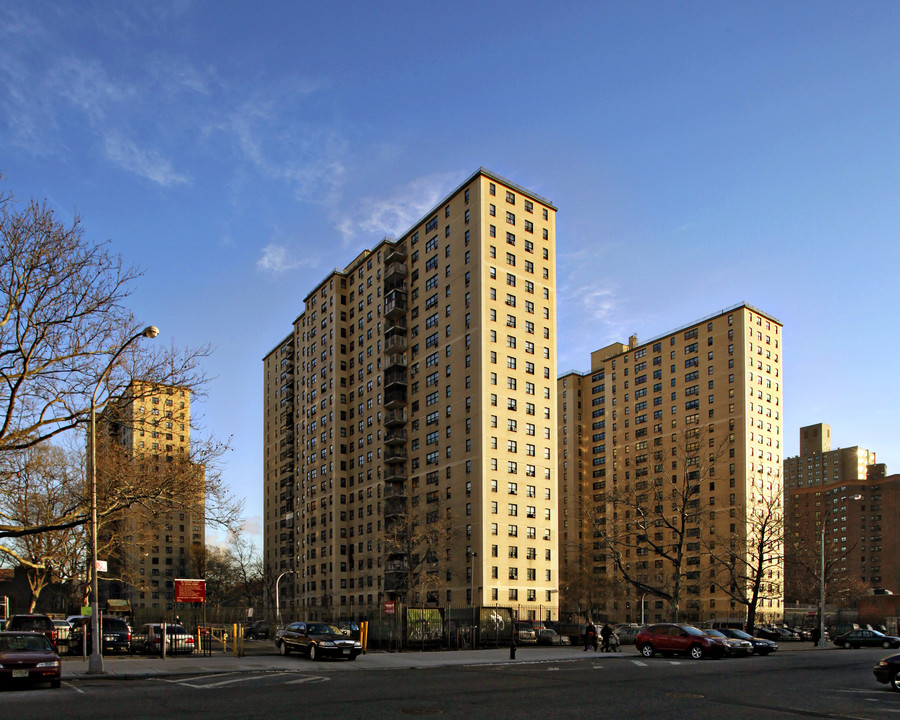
(63, 323)
(748, 566)
(658, 516)
(420, 550)
(47, 485)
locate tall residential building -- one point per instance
(410, 422)
(848, 491)
(700, 409)
(153, 542)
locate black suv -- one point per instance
(258, 630)
(114, 630)
(34, 623)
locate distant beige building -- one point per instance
(704, 404)
(410, 419)
(152, 543)
(862, 537)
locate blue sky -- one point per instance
(700, 155)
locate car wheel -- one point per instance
(895, 681)
(886, 644)
(284, 649)
(647, 650)
(847, 646)
(697, 652)
(313, 652)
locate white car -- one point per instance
(178, 640)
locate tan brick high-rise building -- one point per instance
(410, 419)
(862, 537)
(153, 542)
(699, 408)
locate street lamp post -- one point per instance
(277, 602)
(95, 662)
(822, 642)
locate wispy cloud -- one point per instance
(282, 255)
(270, 134)
(396, 212)
(148, 164)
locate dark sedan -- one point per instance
(28, 657)
(318, 640)
(888, 671)
(866, 638)
(761, 646)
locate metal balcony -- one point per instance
(395, 343)
(396, 437)
(395, 417)
(394, 272)
(395, 401)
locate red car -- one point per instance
(672, 638)
(28, 657)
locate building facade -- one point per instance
(410, 420)
(851, 494)
(695, 413)
(144, 437)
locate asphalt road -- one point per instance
(836, 684)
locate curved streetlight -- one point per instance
(95, 662)
(277, 603)
(822, 641)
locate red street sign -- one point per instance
(388, 607)
(190, 591)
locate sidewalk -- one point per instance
(132, 668)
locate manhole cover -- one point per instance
(685, 695)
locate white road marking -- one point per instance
(308, 679)
(639, 663)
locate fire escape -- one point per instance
(396, 497)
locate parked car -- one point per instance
(734, 647)
(114, 630)
(549, 636)
(33, 623)
(887, 671)
(778, 634)
(761, 646)
(178, 640)
(524, 633)
(258, 630)
(671, 638)
(866, 638)
(29, 657)
(627, 632)
(317, 640)
(63, 631)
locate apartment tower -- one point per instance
(410, 420)
(151, 543)
(848, 491)
(697, 410)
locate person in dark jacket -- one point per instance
(605, 633)
(590, 637)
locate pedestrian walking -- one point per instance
(605, 632)
(590, 637)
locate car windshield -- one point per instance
(691, 630)
(24, 642)
(878, 634)
(740, 634)
(715, 633)
(321, 629)
(30, 623)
